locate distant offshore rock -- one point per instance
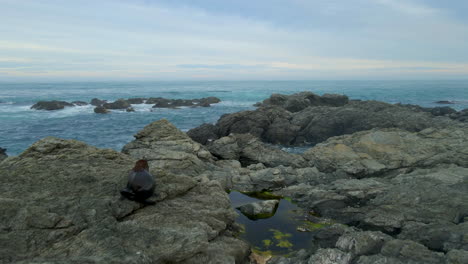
(175, 103)
(119, 104)
(444, 102)
(79, 103)
(97, 102)
(126, 104)
(51, 105)
(101, 110)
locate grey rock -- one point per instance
(60, 203)
(277, 178)
(160, 102)
(457, 257)
(442, 111)
(166, 147)
(259, 210)
(97, 102)
(300, 101)
(377, 151)
(50, 105)
(204, 133)
(461, 116)
(118, 104)
(437, 236)
(330, 256)
(79, 103)
(300, 257)
(130, 109)
(362, 243)
(101, 110)
(207, 100)
(257, 123)
(250, 150)
(136, 100)
(301, 122)
(411, 251)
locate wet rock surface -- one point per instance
(51, 105)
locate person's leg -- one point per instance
(142, 197)
(127, 193)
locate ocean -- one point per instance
(21, 126)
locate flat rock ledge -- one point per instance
(60, 203)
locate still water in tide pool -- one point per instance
(21, 126)
(277, 235)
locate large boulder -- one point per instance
(60, 203)
(306, 123)
(259, 123)
(259, 210)
(166, 147)
(204, 133)
(119, 104)
(250, 150)
(376, 151)
(51, 105)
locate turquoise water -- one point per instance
(21, 126)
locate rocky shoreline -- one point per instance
(392, 180)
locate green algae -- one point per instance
(310, 226)
(282, 238)
(284, 244)
(267, 242)
(265, 195)
(260, 252)
(277, 234)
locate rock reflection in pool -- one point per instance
(276, 235)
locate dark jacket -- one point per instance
(140, 181)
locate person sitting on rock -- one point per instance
(140, 184)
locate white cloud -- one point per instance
(408, 7)
(116, 39)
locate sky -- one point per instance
(84, 40)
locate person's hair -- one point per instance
(141, 165)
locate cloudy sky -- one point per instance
(233, 39)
